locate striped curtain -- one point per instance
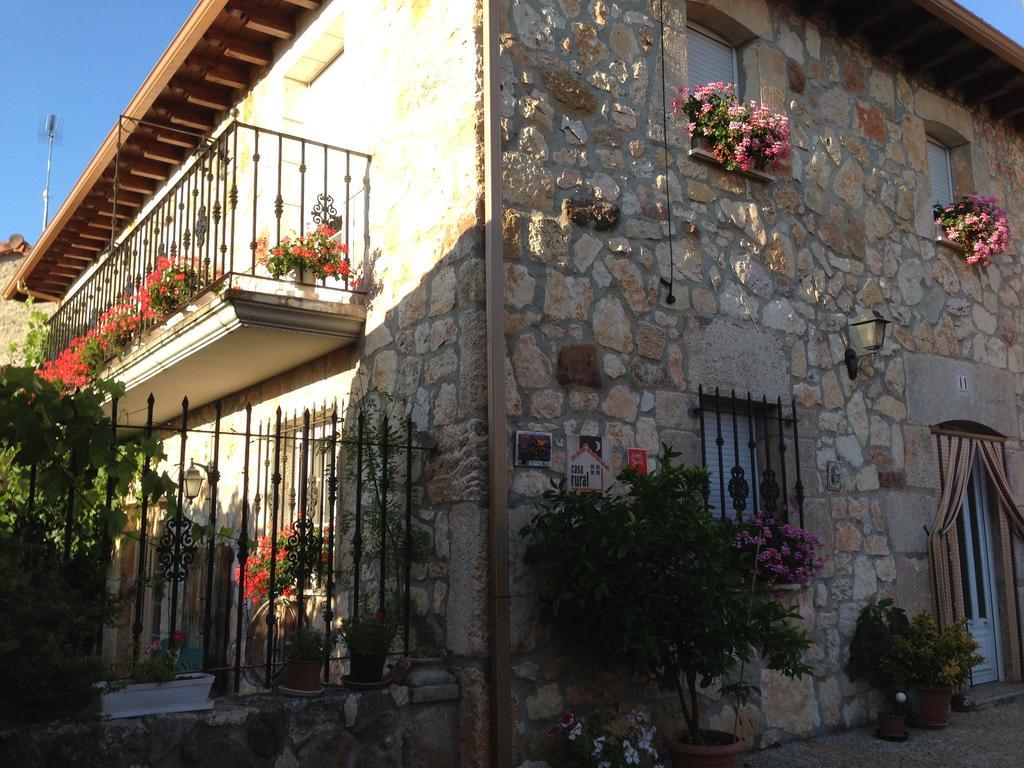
(956, 455)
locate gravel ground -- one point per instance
(993, 738)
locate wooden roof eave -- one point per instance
(191, 32)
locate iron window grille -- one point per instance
(751, 451)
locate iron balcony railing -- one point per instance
(244, 185)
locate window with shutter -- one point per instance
(940, 171)
(735, 444)
(709, 59)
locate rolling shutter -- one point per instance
(708, 59)
(939, 171)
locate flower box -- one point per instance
(700, 149)
(941, 239)
(188, 693)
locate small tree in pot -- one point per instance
(649, 579)
(877, 626)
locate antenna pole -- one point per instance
(50, 127)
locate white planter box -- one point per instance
(186, 694)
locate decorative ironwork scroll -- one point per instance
(324, 211)
(176, 549)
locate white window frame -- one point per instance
(718, 39)
(932, 142)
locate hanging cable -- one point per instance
(670, 298)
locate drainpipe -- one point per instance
(497, 420)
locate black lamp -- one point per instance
(869, 333)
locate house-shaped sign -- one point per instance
(586, 471)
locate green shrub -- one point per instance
(648, 579)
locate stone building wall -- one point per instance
(766, 277)
(14, 314)
(412, 725)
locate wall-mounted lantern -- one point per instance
(868, 334)
(193, 481)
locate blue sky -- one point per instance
(85, 60)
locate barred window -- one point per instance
(750, 449)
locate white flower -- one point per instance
(599, 745)
(576, 732)
(631, 756)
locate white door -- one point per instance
(977, 562)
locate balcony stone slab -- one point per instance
(242, 331)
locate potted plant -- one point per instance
(878, 624)
(160, 684)
(740, 136)
(648, 579)
(975, 224)
(609, 737)
(933, 660)
(170, 285)
(313, 255)
(368, 638)
(784, 555)
(304, 662)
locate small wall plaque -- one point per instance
(577, 364)
(833, 476)
(533, 449)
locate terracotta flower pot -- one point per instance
(721, 751)
(891, 726)
(932, 707)
(302, 676)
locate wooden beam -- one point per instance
(129, 199)
(91, 235)
(64, 273)
(132, 183)
(936, 56)
(928, 48)
(66, 256)
(198, 118)
(858, 19)
(309, 5)
(960, 70)
(176, 139)
(990, 85)
(904, 34)
(163, 154)
(149, 169)
(263, 20)
(99, 227)
(222, 73)
(86, 245)
(1007, 106)
(247, 52)
(74, 252)
(106, 211)
(203, 95)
